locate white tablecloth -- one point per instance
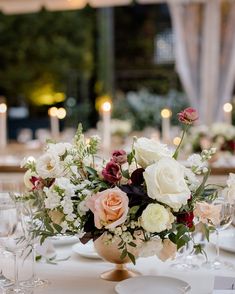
(81, 275)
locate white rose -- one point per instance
(156, 218)
(165, 183)
(49, 166)
(27, 179)
(149, 151)
(59, 148)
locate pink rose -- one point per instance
(110, 208)
(112, 172)
(206, 212)
(188, 116)
(119, 156)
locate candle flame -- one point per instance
(61, 113)
(228, 107)
(106, 107)
(3, 108)
(166, 113)
(53, 111)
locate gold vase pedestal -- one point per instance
(111, 253)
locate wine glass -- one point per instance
(6, 185)
(185, 258)
(225, 220)
(27, 211)
(12, 238)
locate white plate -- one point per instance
(64, 240)
(86, 250)
(226, 240)
(152, 285)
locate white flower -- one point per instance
(156, 218)
(191, 179)
(66, 185)
(149, 151)
(59, 148)
(165, 183)
(83, 206)
(53, 199)
(67, 205)
(49, 166)
(64, 226)
(151, 248)
(127, 237)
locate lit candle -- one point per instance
(3, 125)
(54, 120)
(166, 114)
(106, 113)
(228, 113)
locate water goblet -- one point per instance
(27, 210)
(12, 238)
(225, 220)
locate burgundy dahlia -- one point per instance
(112, 172)
(119, 156)
(188, 116)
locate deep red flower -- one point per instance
(119, 156)
(185, 218)
(188, 116)
(228, 146)
(137, 177)
(37, 183)
(112, 172)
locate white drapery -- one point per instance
(205, 54)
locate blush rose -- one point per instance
(110, 208)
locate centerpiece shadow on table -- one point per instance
(145, 199)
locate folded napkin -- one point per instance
(224, 285)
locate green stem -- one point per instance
(175, 155)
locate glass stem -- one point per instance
(217, 246)
(33, 264)
(16, 271)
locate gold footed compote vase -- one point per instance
(111, 253)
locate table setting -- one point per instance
(137, 222)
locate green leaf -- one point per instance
(91, 171)
(132, 257)
(181, 231)
(134, 209)
(173, 238)
(57, 227)
(132, 244)
(38, 257)
(125, 174)
(130, 157)
(123, 254)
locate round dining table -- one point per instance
(77, 274)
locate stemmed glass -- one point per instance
(27, 210)
(12, 238)
(225, 220)
(184, 260)
(6, 186)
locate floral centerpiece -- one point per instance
(145, 193)
(218, 135)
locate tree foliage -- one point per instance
(44, 48)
